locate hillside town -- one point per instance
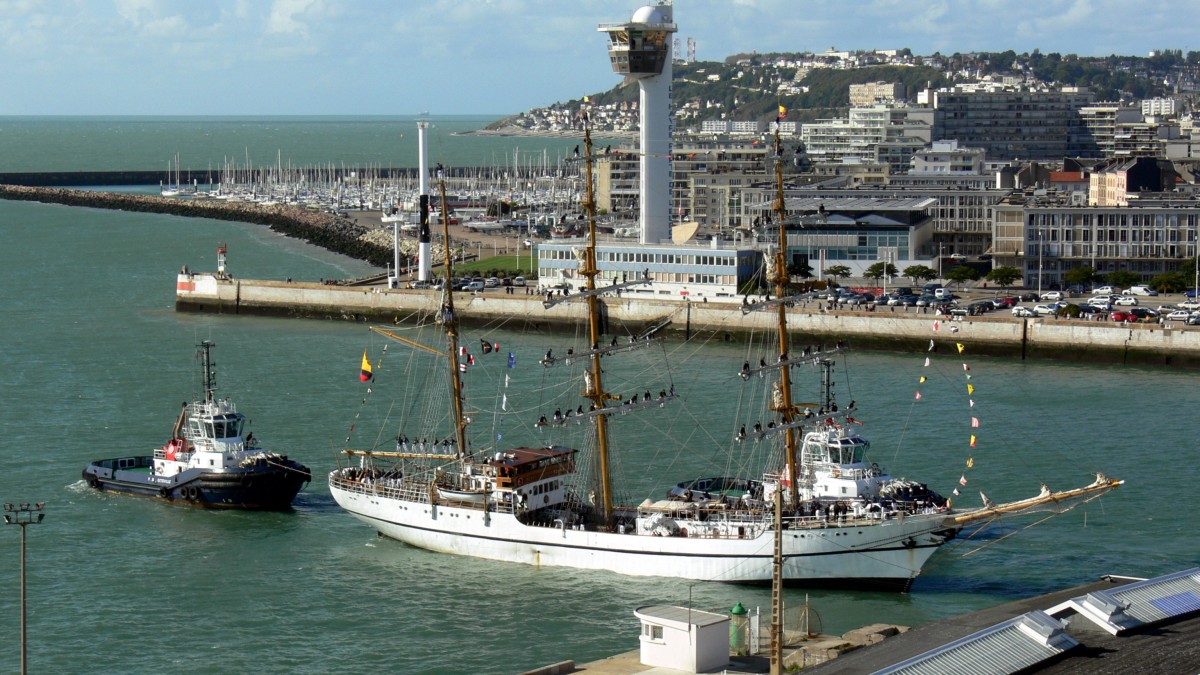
(993, 163)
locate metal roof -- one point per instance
(1139, 604)
(1006, 647)
(683, 615)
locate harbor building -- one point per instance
(676, 272)
(947, 158)
(854, 231)
(1044, 234)
(865, 129)
(870, 93)
(961, 211)
(1012, 124)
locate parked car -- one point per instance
(491, 282)
(1022, 311)
(519, 281)
(1046, 310)
(1143, 313)
(1125, 301)
(474, 286)
(1179, 315)
(980, 307)
(1122, 315)
(1193, 320)
(1028, 297)
(908, 300)
(1188, 304)
(1010, 301)
(1105, 290)
(1054, 296)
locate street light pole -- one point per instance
(1039, 241)
(23, 514)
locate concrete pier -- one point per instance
(1059, 339)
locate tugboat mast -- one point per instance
(210, 376)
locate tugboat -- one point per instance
(207, 463)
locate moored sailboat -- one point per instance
(844, 520)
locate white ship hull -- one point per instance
(889, 553)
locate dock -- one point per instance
(886, 328)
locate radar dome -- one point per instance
(658, 14)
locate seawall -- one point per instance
(1059, 339)
(335, 233)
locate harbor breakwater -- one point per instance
(333, 232)
(1059, 339)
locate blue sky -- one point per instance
(393, 57)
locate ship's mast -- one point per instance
(595, 383)
(450, 322)
(782, 403)
(210, 377)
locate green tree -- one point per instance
(1080, 276)
(962, 273)
(804, 271)
(919, 273)
(880, 270)
(1004, 275)
(837, 271)
(1172, 282)
(1123, 278)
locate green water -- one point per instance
(95, 362)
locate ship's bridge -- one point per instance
(641, 47)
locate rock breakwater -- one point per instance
(330, 231)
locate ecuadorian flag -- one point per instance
(366, 374)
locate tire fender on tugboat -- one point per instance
(191, 493)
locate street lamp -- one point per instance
(23, 514)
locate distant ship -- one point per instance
(207, 463)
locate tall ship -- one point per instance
(210, 461)
(804, 486)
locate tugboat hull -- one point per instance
(269, 487)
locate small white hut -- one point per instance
(684, 639)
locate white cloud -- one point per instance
(289, 16)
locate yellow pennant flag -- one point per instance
(782, 111)
(970, 389)
(961, 347)
(923, 379)
(972, 440)
(366, 374)
(971, 461)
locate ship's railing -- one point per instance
(409, 490)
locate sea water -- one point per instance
(95, 363)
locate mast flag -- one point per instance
(367, 374)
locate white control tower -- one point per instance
(641, 50)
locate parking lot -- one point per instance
(1106, 304)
